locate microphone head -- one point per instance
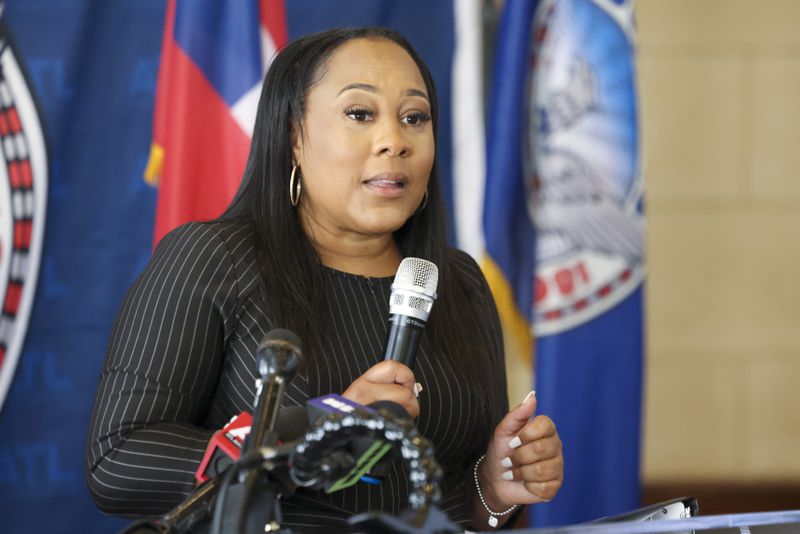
(419, 275)
(283, 335)
(279, 354)
(414, 288)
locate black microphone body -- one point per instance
(403, 339)
(413, 293)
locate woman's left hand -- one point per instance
(524, 463)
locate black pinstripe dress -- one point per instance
(181, 362)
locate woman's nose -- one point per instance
(391, 140)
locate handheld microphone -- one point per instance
(413, 293)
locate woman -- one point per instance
(340, 185)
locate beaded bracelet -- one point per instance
(493, 521)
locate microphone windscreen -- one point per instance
(282, 335)
(278, 355)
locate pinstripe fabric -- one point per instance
(181, 362)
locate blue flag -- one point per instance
(564, 181)
(510, 241)
(585, 169)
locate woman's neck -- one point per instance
(373, 256)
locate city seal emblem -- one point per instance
(23, 190)
(583, 168)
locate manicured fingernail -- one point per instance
(528, 396)
(514, 443)
(508, 475)
(417, 389)
(506, 462)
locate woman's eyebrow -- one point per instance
(373, 89)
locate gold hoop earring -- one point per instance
(295, 189)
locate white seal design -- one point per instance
(23, 190)
(583, 167)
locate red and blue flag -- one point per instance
(213, 60)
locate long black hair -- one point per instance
(293, 283)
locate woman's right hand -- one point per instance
(388, 380)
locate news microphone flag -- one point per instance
(563, 158)
(214, 56)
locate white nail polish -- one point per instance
(529, 395)
(508, 475)
(417, 389)
(514, 443)
(506, 462)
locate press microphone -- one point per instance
(225, 446)
(413, 293)
(278, 357)
(347, 453)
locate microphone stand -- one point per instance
(183, 518)
(278, 358)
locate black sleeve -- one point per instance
(488, 324)
(497, 355)
(161, 369)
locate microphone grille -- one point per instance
(420, 274)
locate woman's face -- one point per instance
(366, 147)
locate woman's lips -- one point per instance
(389, 185)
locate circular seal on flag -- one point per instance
(23, 190)
(583, 174)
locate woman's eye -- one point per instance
(416, 119)
(359, 114)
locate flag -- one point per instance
(214, 56)
(508, 262)
(585, 171)
(563, 228)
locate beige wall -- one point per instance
(720, 92)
